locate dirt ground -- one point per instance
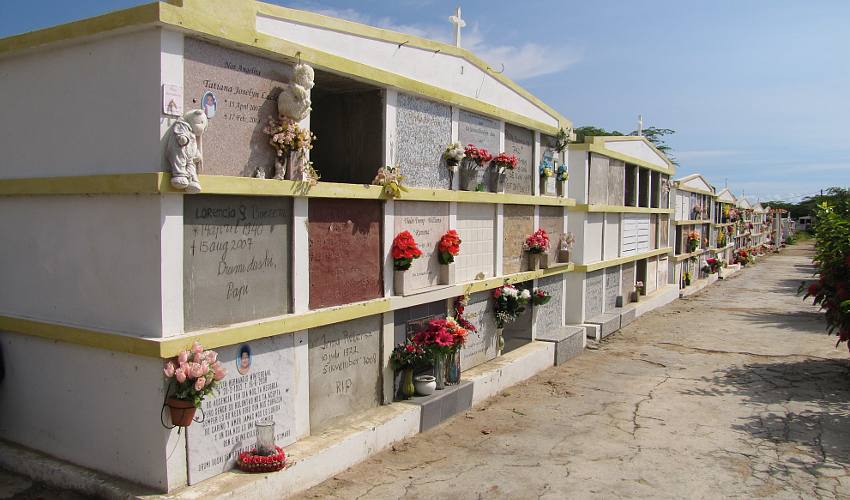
(734, 392)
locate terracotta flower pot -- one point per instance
(182, 412)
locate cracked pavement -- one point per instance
(736, 391)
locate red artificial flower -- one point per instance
(497, 293)
(813, 289)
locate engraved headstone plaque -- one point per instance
(519, 223)
(594, 294)
(520, 142)
(548, 316)
(423, 130)
(481, 346)
(612, 287)
(427, 222)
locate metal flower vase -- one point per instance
(440, 370)
(468, 175)
(453, 368)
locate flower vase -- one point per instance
(182, 412)
(635, 296)
(563, 256)
(407, 387)
(447, 273)
(296, 170)
(547, 185)
(468, 178)
(543, 260)
(561, 188)
(440, 371)
(401, 284)
(453, 368)
(500, 341)
(533, 261)
(497, 180)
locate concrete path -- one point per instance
(734, 392)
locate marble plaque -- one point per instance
(520, 142)
(476, 226)
(519, 223)
(520, 329)
(427, 222)
(481, 131)
(547, 317)
(235, 259)
(616, 183)
(552, 221)
(345, 370)
(651, 275)
(612, 287)
(598, 180)
(258, 386)
(243, 90)
(423, 130)
(627, 280)
(345, 251)
(593, 294)
(481, 345)
(409, 321)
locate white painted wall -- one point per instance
(92, 261)
(612, 236)
(579, 162)
(93, 407)
(592, 238)
(90, 108)
(636, 149)
(438, 69)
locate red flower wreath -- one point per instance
(249, 461)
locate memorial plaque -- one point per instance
(520, 142)
(593, 294)
(258, 386)
(548, 316)
(345, 251)
(519, 223)
(423, 130)
(481, 131)
(239, 92)
(552, 221)
(617, 183)
(427, 222)
(651, 275)
(612, 287)
(345, 370)
(476, 226)
(481, 345)
(598, 180)
(235, 259)
(627, 280)
(413, 319)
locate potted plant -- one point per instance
(440, 339)
(404, 358)
(565, 244)
(292, 145)
(404, 251)
(391, 180)
(537, 246)
(693, 241)
(540, 297)
(547, 176)
(561, 176)
(509, 304)
(713, 265)
(498, 171)
(193, 375)
(448, 248)
(474, 158)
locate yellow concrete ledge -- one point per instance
(686, 256)
(722, 224)
(691, 222)
(620, 209)
(621, 260)
(253, 330)
(158, 183)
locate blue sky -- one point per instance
(757, 91)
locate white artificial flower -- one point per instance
(525, 294)
(510, 292)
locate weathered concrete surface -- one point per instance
(733, 392)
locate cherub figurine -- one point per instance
(294, 100)
(182, 150)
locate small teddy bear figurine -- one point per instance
(294, 100)
(182, 150)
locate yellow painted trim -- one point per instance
(621, 209)
(157, 183)
(697, 191)
(600, 149)
(244, 332)
(621, 260)
(686, 256)
(693, 222)
(723, 224)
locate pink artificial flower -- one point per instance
(180, 375)
(197, 357)
(197, 370)
(200, 383)
(205, 367)
(169, 369)
(183, 357)
(211, 356)
(197, 347)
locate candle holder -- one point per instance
(265, 456)
(265, 438)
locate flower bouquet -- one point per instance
(292, 145)
(453, 155)
(547, 170)
(474, 158)
(251, 461)
(447, 249)
(404, 251)
(713, 265)
(498, 171)
(693, 241)
(441, 339)
(638, 291)
(537, 246)
(391, 180)
(194, 374)
(509, 304)
(561, 176)
(404, 358)
(540, 297)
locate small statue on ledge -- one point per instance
(183, 150)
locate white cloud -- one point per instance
(522, 62)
